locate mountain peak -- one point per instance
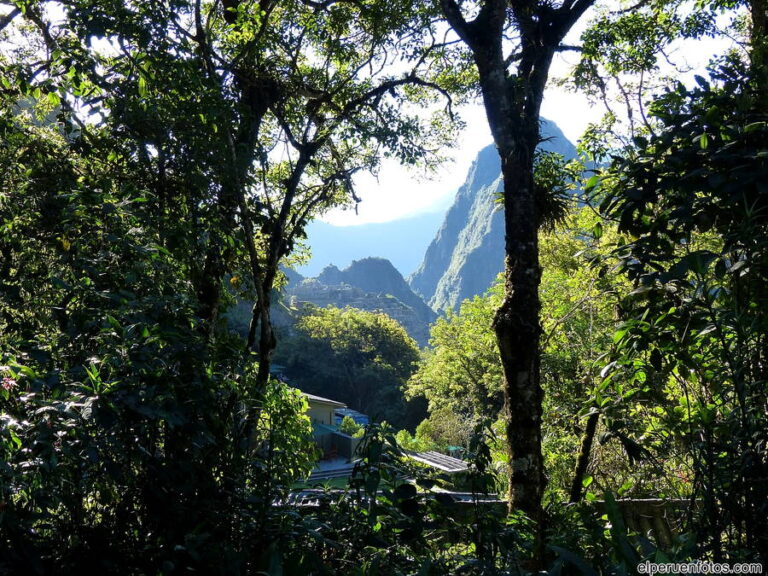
(373, 274)
(468, 250)
(331, 275)
(370, 284)
(373, 263)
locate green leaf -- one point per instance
(626, 487)
(143, 91)
(14, 438)
(755, 126)
(703, 141)
(640, 290)
(618, 336)
(701, 81)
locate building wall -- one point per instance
(326, 444)
(321, 414)
(347, 446)
(337, 445)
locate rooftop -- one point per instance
(321, 400)
(439, 461)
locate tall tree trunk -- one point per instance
(755, 469)
(514, 122)
(261, 319)
(210, 283)
(582, 460)
(518, 331)
(513, 89)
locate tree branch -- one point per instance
(456, 19)
(328, 3)
(569, 48)
(8, 18)
(634, 7)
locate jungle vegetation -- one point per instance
(160, 160)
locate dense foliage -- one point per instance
(156, 158)
(160, 161)
(691, 354)
(360, 358)
(460, 375)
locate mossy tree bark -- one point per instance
(512, 87)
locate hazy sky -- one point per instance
(399, 193)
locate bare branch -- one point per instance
(627, 103)
(512, 58)
(376, 93)
(328, 3)
(641, 106)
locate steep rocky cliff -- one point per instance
(468, 251)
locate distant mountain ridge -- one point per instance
(467, 253)
(462, 260)
(372, 284)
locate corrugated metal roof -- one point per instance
(321, 400)
(439, 461)
(358, 417)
